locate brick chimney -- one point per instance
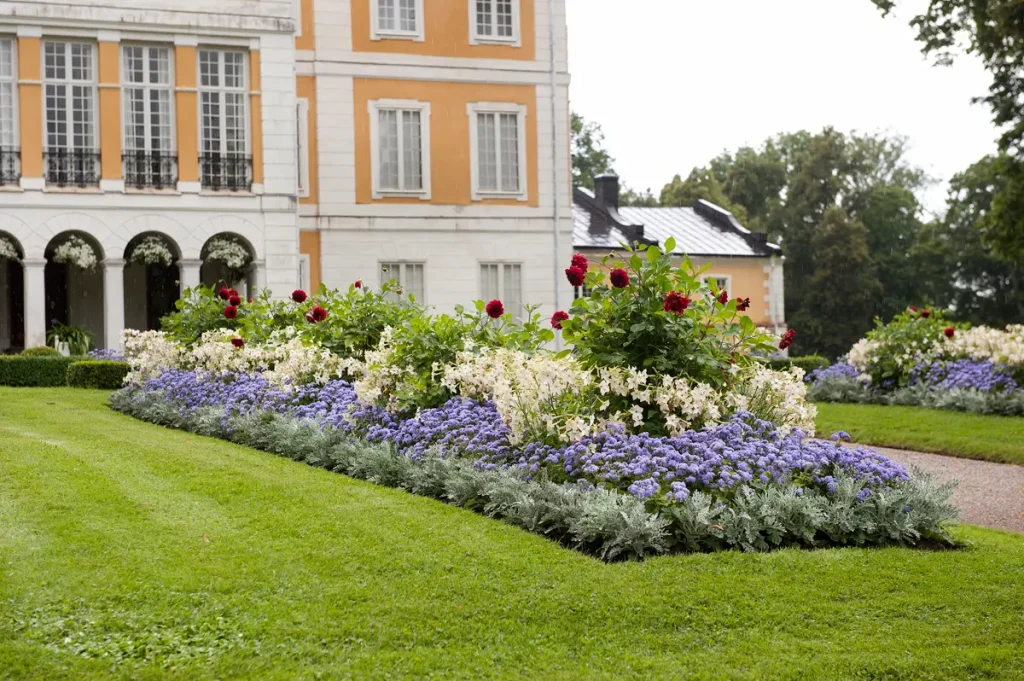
(606, 190)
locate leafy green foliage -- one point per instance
(40, 351)
(101, 374)
(589, 157)
(903, 343)
(78, 338)
(808, 363)
(198, 310)
(35, 372)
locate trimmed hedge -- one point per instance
(40, 351)
(96, 373)
(808, 363)
(35, 372)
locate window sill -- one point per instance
(11, 188)
(507, 196)
(414, 37)
(152, 190)
(399, 194)
(227, 192)
(489, 40)
(72, 190)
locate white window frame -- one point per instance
(69, 83)
(244, 90)
(706, 279)
(472, 110)
(402, 278)
(13, 81)
(305, 277)
(502, 293)
(476, 38)
(146, 87)
(377, 33)
(302, 155)
(374, 108)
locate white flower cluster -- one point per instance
(862, 354)
(985, 343)
(529, 391)
(380, 375)
(7, 249)
(76, 251)
(152, 250)
(229, 252)
(148, 353)
(777, 396)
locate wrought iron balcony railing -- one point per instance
(226, 172)
(72, 167)
(10, 166)
(150, 170)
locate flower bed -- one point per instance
(660, 429)
(920, 359)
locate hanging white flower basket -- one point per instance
(152, 250)
(7, 250)
(77, 252)
(233, 254)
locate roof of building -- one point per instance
(701, 230)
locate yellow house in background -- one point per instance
(742, 262)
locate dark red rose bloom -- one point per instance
(234, 300)
(238, 343)
(224, 293)
(676, 302)
(742, 304)
(299, 296)
(317, 314)
(495, 309)
(575, 275)
(723, 297)
(926, 313)
(620, 278)
(230, 312)
(232, 292)
(580, 261)
(913, 308)
(950, 332)
(558, 318)
(787, 339)
(359, 283)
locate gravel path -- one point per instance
(989, 494)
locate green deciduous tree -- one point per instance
(589, 157)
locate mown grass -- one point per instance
(972, 436)
(132, 551)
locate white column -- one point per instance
(113, 301)
(188, 272)
(35, 302)
(259, 268)
(5, 313)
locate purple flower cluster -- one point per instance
(983, 376)
(111, 354)
(840, 370)
(745, 451)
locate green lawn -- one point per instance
(131, 551)
(972, 436)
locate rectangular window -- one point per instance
(504, 282)
(69, 88)
(408, 275)
(399, 131)
(304, 272)
(302, 145)
(722, 281)
(224, 136)
(397, 19)
(148, 103)
(494, 21)
(498, 144)
(10, 157)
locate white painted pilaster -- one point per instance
(35, 302)
(188, 273)
(113, 301)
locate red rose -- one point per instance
(317, 315)
(787, 339)
(238, 343)
(926, 313)
(234, 300)
(495, 309)
(580, 261)
(723, 297)
(299, 296)
(676, 302)
(230, 312)
(558, 318)
(950, 332)
(232, 292)
(620, 278)
(575, 275)
(359, 283)
(742, 304)
(224, 293)
(913, 308)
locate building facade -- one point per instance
(124, 121)
(434, 147)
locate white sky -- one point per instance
(674, 82)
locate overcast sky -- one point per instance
(674, 82)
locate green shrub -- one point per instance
(40, 351)
(35, 372)
(78, 338)
(808, 363)
(101, 374)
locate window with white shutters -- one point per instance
(503, 281)
(498, 148)
(400, 137)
